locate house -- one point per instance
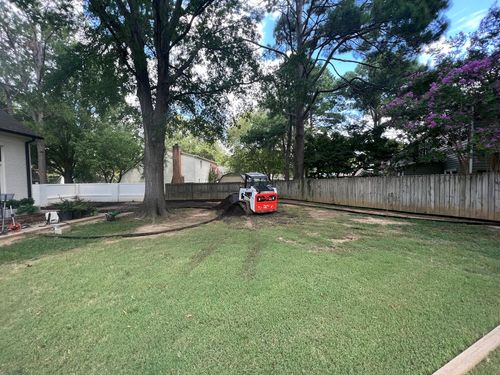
(480, 163)
(15, 158)
(180, 167)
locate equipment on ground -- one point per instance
(257, 195)
(111, 215)
(51, 217)
(13, 226)
(3, 199)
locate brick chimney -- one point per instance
(177, 177)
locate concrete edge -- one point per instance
(8, 239)
(473, 355)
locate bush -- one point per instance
(74, 209)
(27, 209)
(14, 203)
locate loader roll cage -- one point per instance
(258, 180)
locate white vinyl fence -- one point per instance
(47, 194)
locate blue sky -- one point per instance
(463, 15)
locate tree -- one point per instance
(84, 94)
(257, 142)
(183, 56)
(195, 145)
(281, 104)
(29, 33)
(110, 151)
(311, 36)
(328, 154)
(373, 150)
(456, 104)
(382, 76)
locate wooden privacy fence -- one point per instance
(475, 196)
(197, 191)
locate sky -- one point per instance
(463, 15)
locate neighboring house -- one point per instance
(15, 158)
(481, 163)
(193, 168)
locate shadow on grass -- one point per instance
(36, 246)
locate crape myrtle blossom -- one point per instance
(457, 103)
(456, 98)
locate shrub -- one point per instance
(27, 209)
(77, 207)
(14, 203)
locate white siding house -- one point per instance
(15, 158)
(194, 169)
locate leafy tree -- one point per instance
(259, 146)
(183, 58)
(373, 150)
(83, 94)
(194, 145)
(311, 36)
(456, 104)
(110, 151)
(328, 154)
(382, 76)
(30, 31)
(281, 104)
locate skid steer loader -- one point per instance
(257, 195)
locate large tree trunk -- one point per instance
(38, 117)
(68, 176)
(154, 154)
(300, 105)
(288, 149)
(299, 144)
(42, 163)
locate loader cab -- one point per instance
(258, 181)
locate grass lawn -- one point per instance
(489, 366)
(300, 291)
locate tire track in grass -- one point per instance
(199, 257)
(253, 257)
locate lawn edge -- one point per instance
(473, 355)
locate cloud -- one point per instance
(469, 22)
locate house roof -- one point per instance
(9, 124)
(198, 157)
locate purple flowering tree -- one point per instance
(456, 104)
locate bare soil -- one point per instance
(379, 221)
(320, 214)
(183, 217)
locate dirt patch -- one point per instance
(290, 242)
(248, 223)
(320, 214)
(348, 238)
(10, 240)
(379, 221)
(181, 219)
(334, 246)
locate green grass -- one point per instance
(281, 295)
(489, 366)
